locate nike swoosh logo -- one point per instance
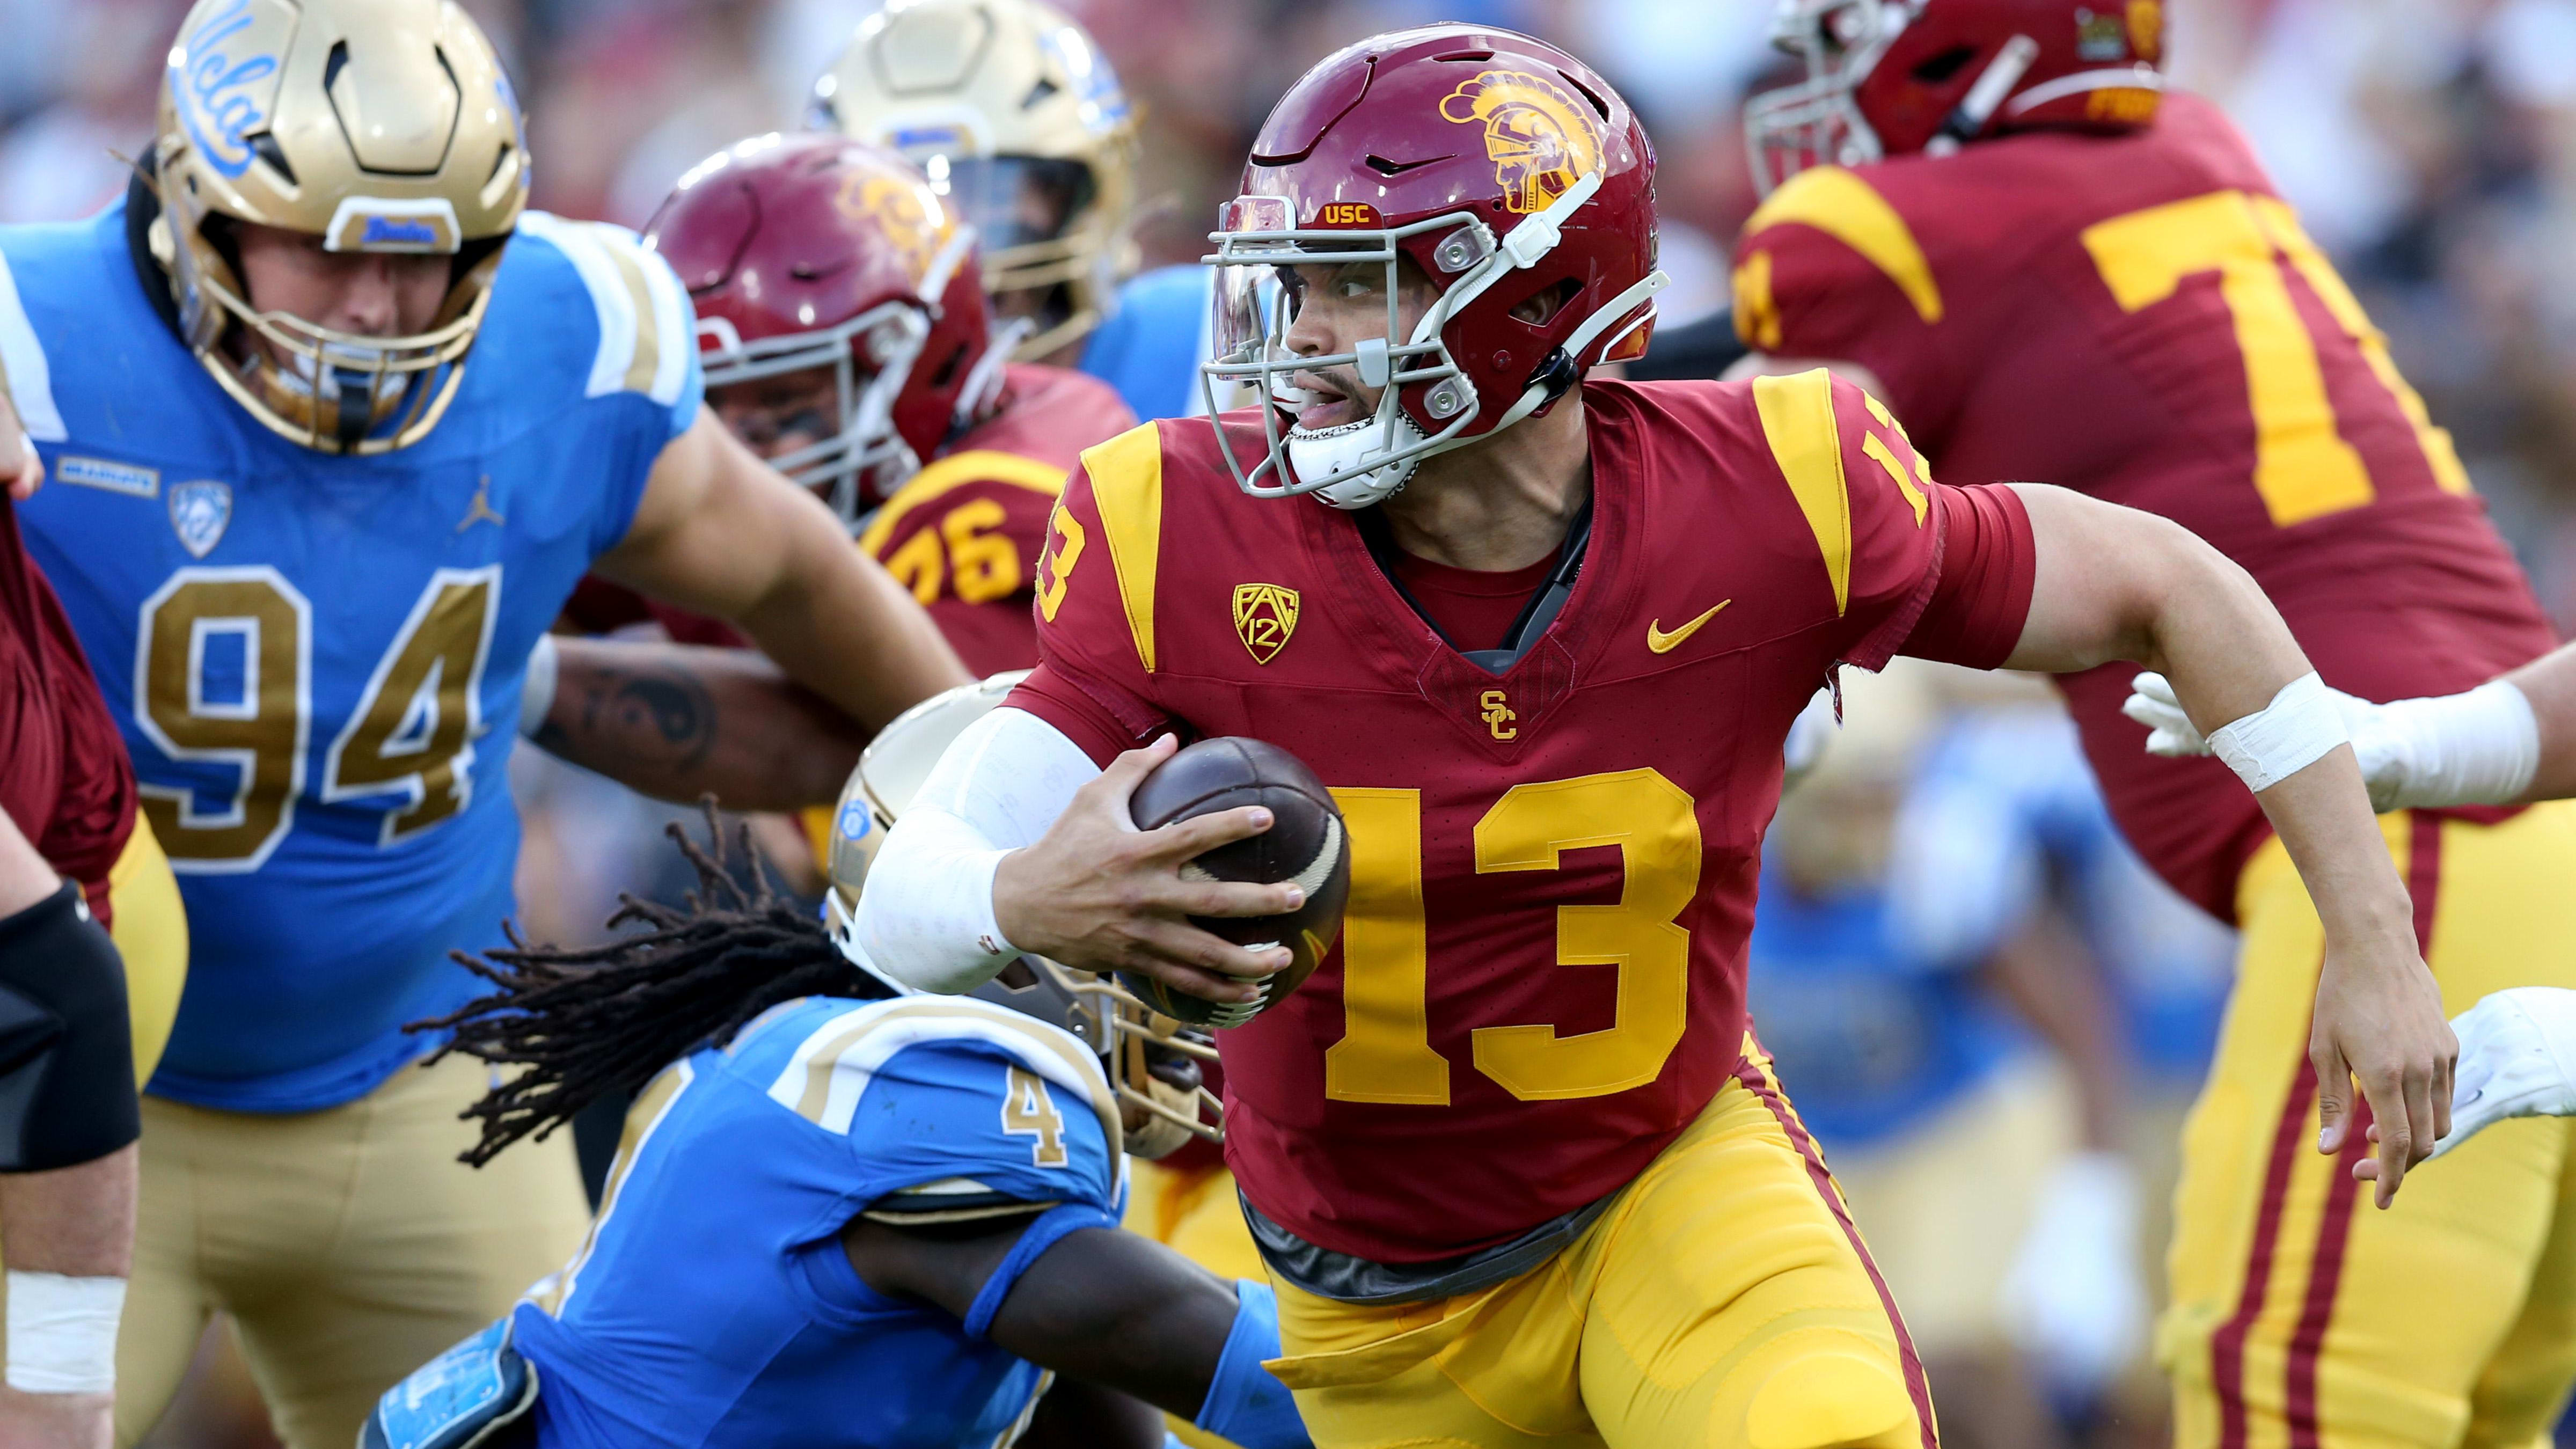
(1663, 643)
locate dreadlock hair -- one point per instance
(601, 1019)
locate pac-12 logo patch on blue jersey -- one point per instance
(200, 510)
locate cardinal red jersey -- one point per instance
(2141, 317)
(1540, 979)
(64, 776)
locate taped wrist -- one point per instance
(62, 1333)
(66, 1047)
(2294, 731)
(1245, 1404)
(2481, 747)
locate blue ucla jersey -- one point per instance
(1150, 348)
(2005, 815)
(316, 660)
(1872, 1036)
(714, 1304)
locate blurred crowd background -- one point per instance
(1995, 1017)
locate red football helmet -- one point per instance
(1505, 169)
(814, 251)
(1893, 77)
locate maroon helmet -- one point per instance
(1505, 170)
(1893, 77)
(814, 251)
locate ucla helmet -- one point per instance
(1018, 120)
(1131, 1038)
(376, 125)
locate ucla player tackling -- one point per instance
(335, 425)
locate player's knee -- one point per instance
(1834, 1399)
(66, 1054)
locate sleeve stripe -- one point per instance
(1798, 422)
(618, 294)
(23, 370)
(975, 465)
(1848, 209)
(829, 1072)
(1127, 482)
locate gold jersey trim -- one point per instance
(946, 475)
(1798, 422)
(1850, 210)
(1127, 483)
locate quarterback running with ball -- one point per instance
(1518, 1170)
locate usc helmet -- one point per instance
(1126, 1033)
(815, 251)
(1500, 166)
(1003, 103)
(376, 125)
(1893, 77)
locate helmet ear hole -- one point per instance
(1540, 307)
(1939, 68)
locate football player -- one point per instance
(837, 1218)
(86, 1012)
(2052, 266)
(1024, 129)
(334, 425)
(1515, 1166)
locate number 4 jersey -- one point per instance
(1540, 980)
(316, 660)
(2142, 318)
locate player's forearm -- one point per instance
(2548, 684)
(679, 721)
(837, 622)
(76, 1221)
(1114, 1309)
(25, 878)
(2055, 985)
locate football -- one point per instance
(1305, 843)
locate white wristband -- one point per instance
(2481, 747)
(2284, 737)
(62, 1333)
(537, 687)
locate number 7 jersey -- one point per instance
(2142, 318)
(1540, 977)
(315, 660)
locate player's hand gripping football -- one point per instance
(1097, 894)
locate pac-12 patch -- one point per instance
(200, 510)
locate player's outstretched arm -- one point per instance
(1107, 1307)
(67, 1225)
(2113, 583)
(722, 533)
(679, 721)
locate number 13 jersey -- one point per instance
(1540, 979)
(316, 660)
(2142, 318)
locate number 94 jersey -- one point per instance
(316, 660)
(2142, 318)
(1540, 977)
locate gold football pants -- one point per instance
(2303, 1318)
(349, 1246)
(1723, 1300)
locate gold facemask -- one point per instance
(377, 125)
(1003, 102)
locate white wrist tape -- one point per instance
(537, 688)
(2284, 737)
(62, 1333)
(926, 918)
(2477, 748)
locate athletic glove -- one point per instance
(2517, 1059)
(2478, 747)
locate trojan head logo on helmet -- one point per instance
(1894, 77)
(1020, 124)
(840, 318)
(1150, 1059)
(1495, 168)
(373, 125)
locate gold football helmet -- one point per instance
(1131, 1038)
(376, 125)
(1016, 117)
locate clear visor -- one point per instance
(1014, 202)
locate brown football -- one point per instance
(1305, 843)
